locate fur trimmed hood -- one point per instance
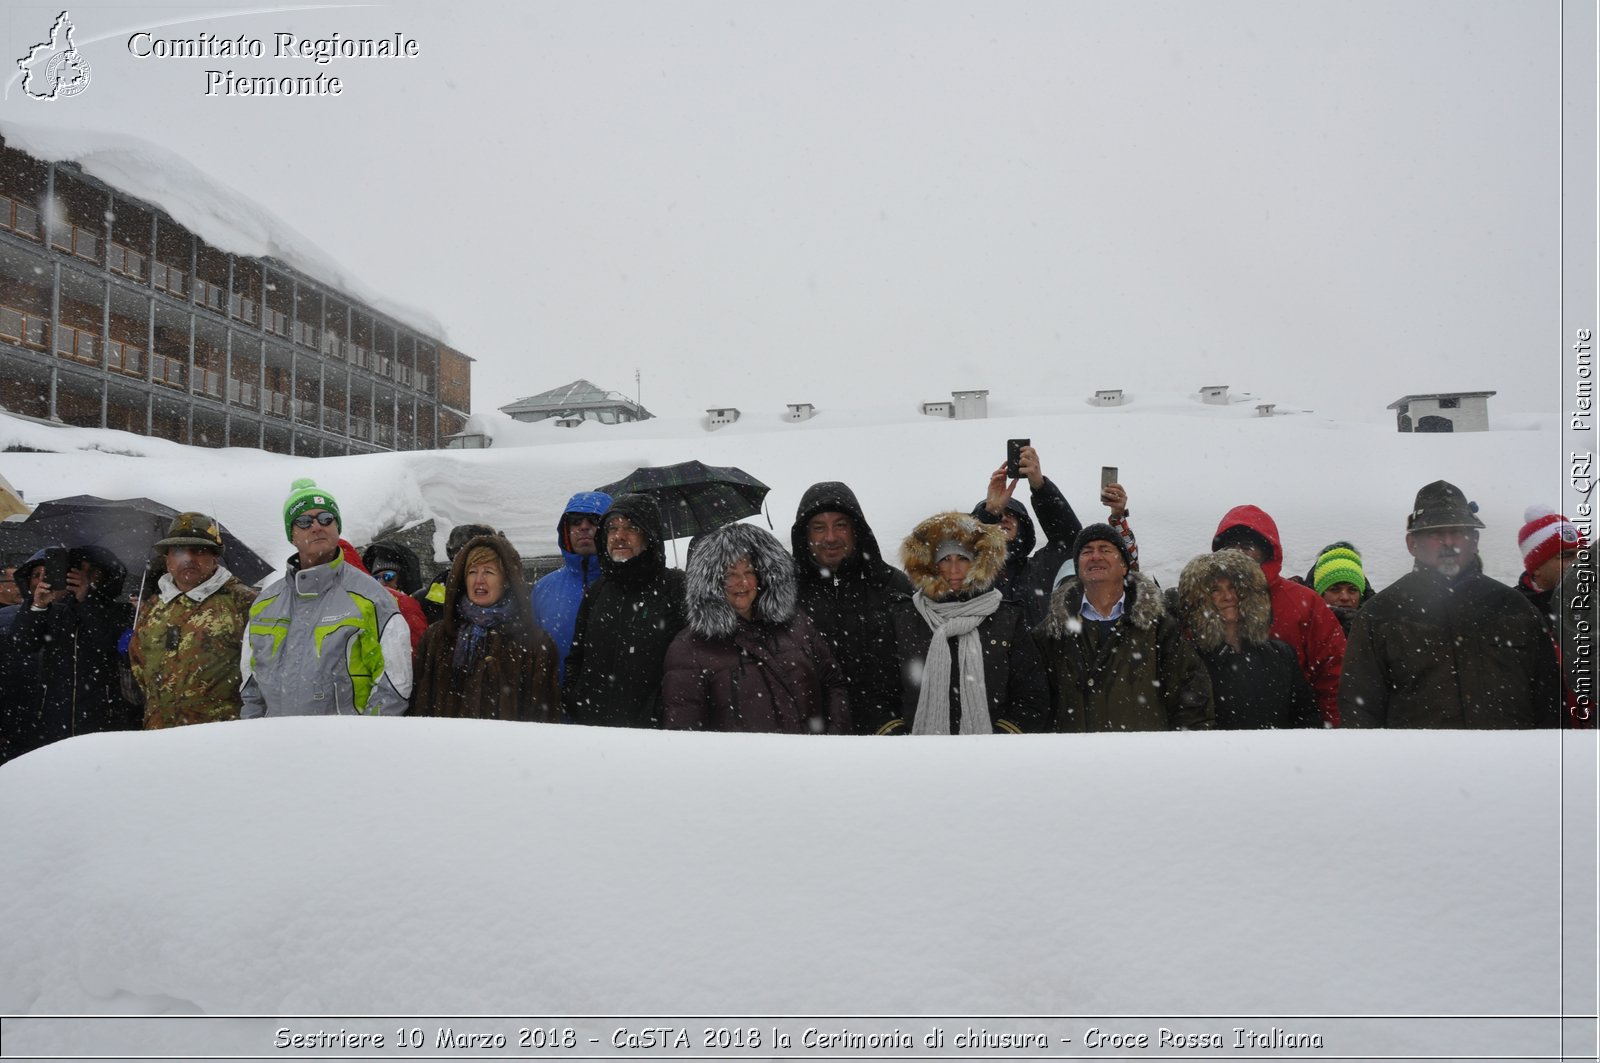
(1196, 612)
(1143, 608)
(710, 615)
(986, 541)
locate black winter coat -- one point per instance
(1464, 653)
(65, 666)
(851, 607)
(628, 618)
(1259, 685)
(1013, 673)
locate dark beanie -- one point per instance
(1243, 535)
(1101, 533)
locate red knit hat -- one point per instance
(1546, 534)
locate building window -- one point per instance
(20, 219)
(123, 260)
(1452, 403)
(169, 279)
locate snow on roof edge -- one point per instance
(222, 217)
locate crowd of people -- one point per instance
(978, 630)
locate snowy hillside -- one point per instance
(1184, 465)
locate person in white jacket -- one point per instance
(326, 639)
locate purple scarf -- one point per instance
(480, 619)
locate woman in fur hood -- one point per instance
(967, 663)
(748, 660)
(1226, 613)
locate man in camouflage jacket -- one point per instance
(185, 648)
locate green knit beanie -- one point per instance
(304, 495)
(1338, 565)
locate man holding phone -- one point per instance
(1061, 525)
(64, 663)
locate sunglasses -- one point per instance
(387, 577)
(582, 518)
(305, 520)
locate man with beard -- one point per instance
(848, 591)
(1446, 646)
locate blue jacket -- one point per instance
(556, 597)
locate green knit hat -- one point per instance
(304, 495)
(1339, 564)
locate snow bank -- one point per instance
(392, 866)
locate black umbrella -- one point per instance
(695, 498)
(18, 541)
(129, 528)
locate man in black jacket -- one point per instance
(1446, 646)
(63, 654)
(628, 618)
(846, 589)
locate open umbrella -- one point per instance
(695, 498)
(17, 540)
(129, 528)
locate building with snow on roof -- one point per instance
(157, 302)
(571, 404)
(1444, 411)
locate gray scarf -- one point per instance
(957, 619)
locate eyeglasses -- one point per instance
(305, 520)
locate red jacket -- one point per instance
(1299, 616)
(410, 608)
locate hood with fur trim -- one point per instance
(1143, 607)
(1256, 519)
(710, 615)
(1199, 616)
(986, 541)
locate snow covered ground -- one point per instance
(1184, 465)
(336, 867)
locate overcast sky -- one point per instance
(1326, 204)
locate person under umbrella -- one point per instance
(63, 654)
(627, 620)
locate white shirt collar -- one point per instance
(1089, 612)
(169, 589)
